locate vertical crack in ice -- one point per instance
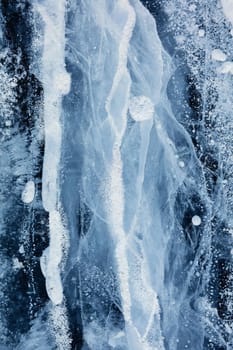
(116, 196)
(121, 75)
(56, 83)
(116, 193)
(54, 77)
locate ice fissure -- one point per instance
(116, 227)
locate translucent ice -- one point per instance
(131, 201)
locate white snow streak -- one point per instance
(56, 83)
(54, 73)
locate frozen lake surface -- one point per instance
(116, 216)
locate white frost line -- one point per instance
(54, 257)
(122, 62)
(116, 214)
(154, 311)
(60, 327)
(116, 195)
(56, 83)
(152, 303)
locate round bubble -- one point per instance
(196, 220)
(141, 108)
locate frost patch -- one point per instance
(226, 68)
(28, 193)
(218, 55)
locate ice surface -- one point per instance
(124, 140)
(56, 83)
(126, 237)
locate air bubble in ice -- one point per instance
(196, 220)
(181, 164)
(141, 108)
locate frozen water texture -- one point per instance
(124, 185)
(135, 158)
(56, 83)
(130, 172)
